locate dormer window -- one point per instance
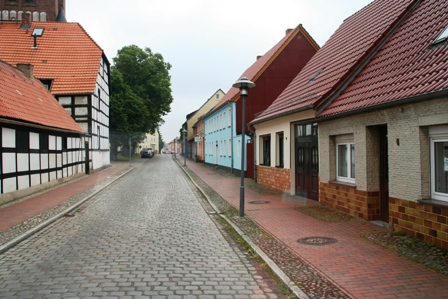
(443, 37)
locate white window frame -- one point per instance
(348, 141)
(437, 134)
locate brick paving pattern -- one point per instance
(146, 236)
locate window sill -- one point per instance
(433, 202)
(345, 184)
(279, 166)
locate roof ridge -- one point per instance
(370, 53)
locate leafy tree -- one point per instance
(141, 95)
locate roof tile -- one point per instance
(352, 42)
(256, 69)
(65, 53)
(29, 101)
(408, 65)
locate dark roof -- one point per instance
(27, 101)
(407, 66)
(258, 67)
(61, 15)
(344, 54)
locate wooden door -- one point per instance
(307, 168)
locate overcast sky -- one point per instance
(209, 43)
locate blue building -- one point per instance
(271, 73)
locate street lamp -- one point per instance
(244, 85)
(184, 132)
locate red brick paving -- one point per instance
(19, 212)
(361, 268)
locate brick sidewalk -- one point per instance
(21, 211)
(357, 266)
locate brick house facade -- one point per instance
(41, 10)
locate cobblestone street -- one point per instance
(146, 236)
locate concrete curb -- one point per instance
(5, 247)
(276, 269)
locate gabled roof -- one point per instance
(407, 66)
(29, 101)
(64, 53)
(344, 54)
(263, 62)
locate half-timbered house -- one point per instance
(40, 143)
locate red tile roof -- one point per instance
(65, 53)
(30, 102)
(408, 65)
(342, 55)
(257, 68)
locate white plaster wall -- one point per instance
(286, 125)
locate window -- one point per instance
(43, 143)
(279, 150)
(230, 118)
(442, 37)
(439, 162)
(307, 130)
(266, 150)
(345, 158)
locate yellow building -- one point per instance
(150, 141)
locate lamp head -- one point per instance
(244, 84)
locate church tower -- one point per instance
(40, 10)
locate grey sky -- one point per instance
(208, 43)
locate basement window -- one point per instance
(443, 37)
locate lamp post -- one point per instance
(243, 85)
(184, 132)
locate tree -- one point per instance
(141, 95)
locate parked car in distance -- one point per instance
(146, 153)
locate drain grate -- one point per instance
(259, 202)
(317, 241)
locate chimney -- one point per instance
(259, 56)
(288, 31)
(27, 69)
(26, 21)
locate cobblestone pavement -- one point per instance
(147, 236)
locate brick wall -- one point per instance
(277, 178)
(422, 221)
(50, 7)
(362, 204)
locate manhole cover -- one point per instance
(317, 241)
(258, 202)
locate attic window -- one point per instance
(442, 37)
(47, 83)
(38, 32)
(311, 80)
